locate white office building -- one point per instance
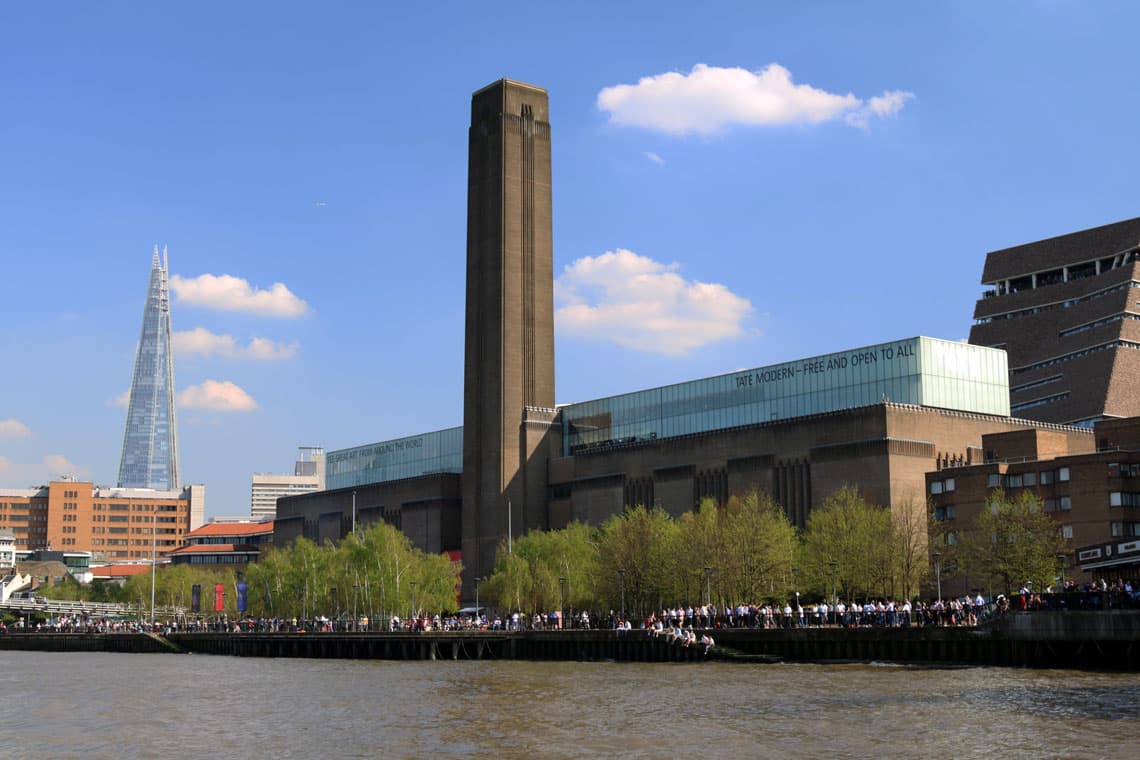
(266, 488)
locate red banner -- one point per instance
(219, 597)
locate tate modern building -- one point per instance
(877, 417)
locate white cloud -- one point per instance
(203, 342)
(880, 106)
(51, 467)
(216, 396)
(710, 98)
(13, 428)
(644, 305)
(229, 293)
(123, 399)
(654, 158)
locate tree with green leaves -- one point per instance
(757, 550)
(642, 542)
(532, 574)
(1013, 541)
(854, 535)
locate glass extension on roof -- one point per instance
(921, 371)
(438, 451)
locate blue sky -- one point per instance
(734, 185)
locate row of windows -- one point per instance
(949, 512)
(1075, 355)
(1058, 304)
(1125, 529)
(1063, 504)
(1034, 384)
(164, 544)
(1097, 323)
(940, 486)
(1124, 470)
(1124, 499)
(217, 559)
(1040, 402)
(1017, 480)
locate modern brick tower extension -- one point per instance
(1067, 311)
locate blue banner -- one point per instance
(196, 598)
(242, 588)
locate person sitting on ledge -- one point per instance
(708, 642)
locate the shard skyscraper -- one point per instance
(150, 443)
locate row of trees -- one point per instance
(641, 559)
(747, 552)
(375, 573)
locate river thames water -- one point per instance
(85, 705)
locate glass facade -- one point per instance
(921, 371)
(430, 453)
(150, 442)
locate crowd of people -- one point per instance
(677, 624)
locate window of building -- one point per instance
(948, 512)
(1125, 529)
(993, 480)
(1029, 478)
(1063, 474)
(948, 484)
(1065, 503)
(935, 486)
(1066, 531)
(1013, 481)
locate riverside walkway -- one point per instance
(1082, 639)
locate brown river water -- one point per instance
(88, 705)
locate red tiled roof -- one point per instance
(232, 529)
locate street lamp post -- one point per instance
(561, 601)
(938, 571)
(621, 576)
(834, 599)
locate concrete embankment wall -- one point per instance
(135, 643)
(536, 645)
(1108, 640)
